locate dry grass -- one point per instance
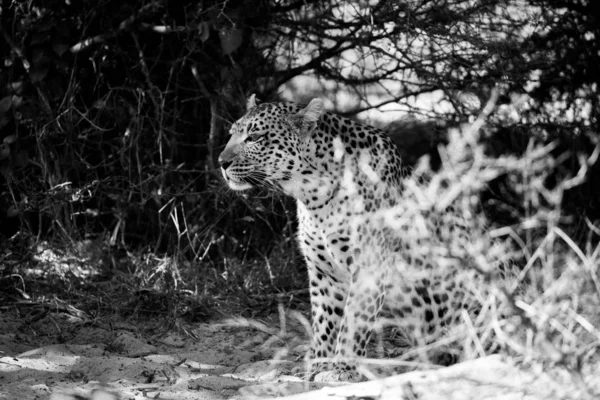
(537, 289)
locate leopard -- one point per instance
(347, 179)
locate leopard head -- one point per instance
(266, 144)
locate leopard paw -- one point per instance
(338, 375)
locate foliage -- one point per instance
(112, 114)
(107, 106)
(533, 289)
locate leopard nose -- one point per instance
(224, 164)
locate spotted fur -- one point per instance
(346, 178)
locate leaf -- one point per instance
(5, 104)
(12, 212)
(204, 31)
(17, 87)
(17, 101)
(231, 40)
(38, 73)
(4, 151)
(60, 48)
(10, 139)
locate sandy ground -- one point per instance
(55, 355)
(47, 353)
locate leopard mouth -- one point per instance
(235, 183)
(239, 183)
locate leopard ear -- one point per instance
(251, 102)
(310, 115)
(312, 112)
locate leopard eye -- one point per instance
(254, 138)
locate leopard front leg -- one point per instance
(328, 289)
(364, 302)
(328, 298)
